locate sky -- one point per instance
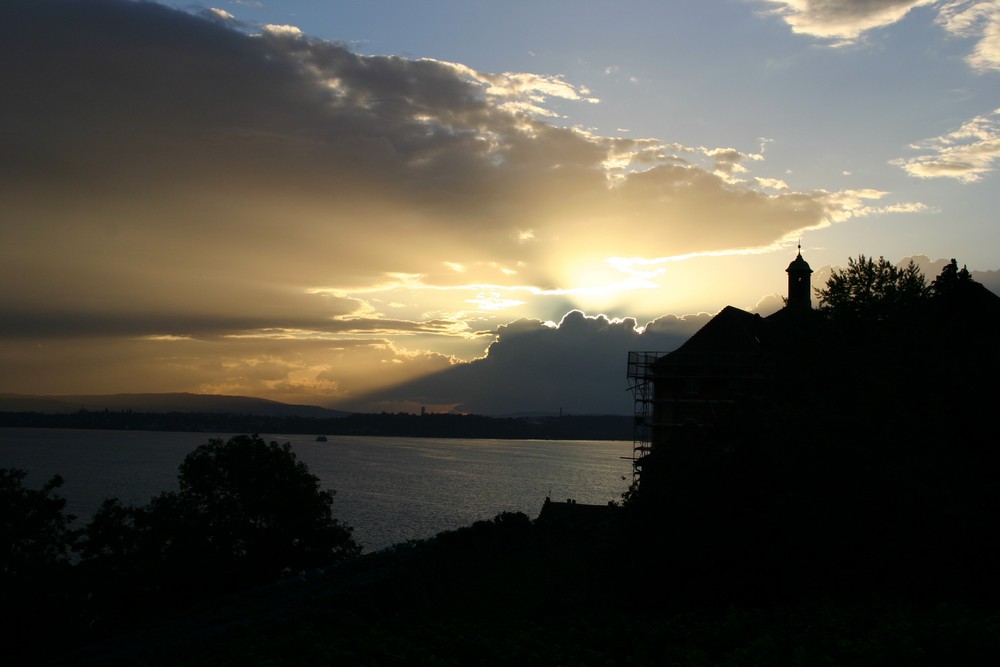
(469, 206)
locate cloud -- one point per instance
(204, 145)
(979, 20)
(576, 366)
(772, 183)
(323, 371)
(282, 30)
(221, 15)
(181, 184)
(842, 20)
(966, 154)
(843, 205)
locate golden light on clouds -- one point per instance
(842, 21)
(966, 154)
(493, 300)
(197, 204)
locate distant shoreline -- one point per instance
(569, 427)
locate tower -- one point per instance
(799, 284)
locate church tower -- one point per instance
(799, 284)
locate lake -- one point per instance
(389, 489)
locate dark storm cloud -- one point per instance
(577, 366)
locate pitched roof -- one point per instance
(732, 330)
(571, 514)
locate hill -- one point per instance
(161, 402)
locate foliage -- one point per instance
(951, 279)
(456, 600)
(247, 511)
(34, 530)
(35, 571)
(257, 504)
(872, 289)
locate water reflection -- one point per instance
(389, 489)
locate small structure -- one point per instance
(572, 516)
(799, 284)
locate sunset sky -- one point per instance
(315, 201)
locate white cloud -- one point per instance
(846, 204)
(282, 30)
(772, 183)
(522, 91)
(842, 20)
(222, 14)
(845, 21)
(979, 20)
(967, 154)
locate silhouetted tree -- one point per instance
(872, 289)
(35, 543)
(35, 533)
(262, 507)
(247, 511)
(951, 279)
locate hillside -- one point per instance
(160, 402)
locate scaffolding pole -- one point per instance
(640, 383)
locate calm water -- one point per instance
(389, 489)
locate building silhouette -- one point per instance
(796, 356)
(737, 357)
(799, 284)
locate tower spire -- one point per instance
(799, 283)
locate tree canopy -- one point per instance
(247, 511)
(35, 533)
(951, 279)
(872, 289)
(261, 506)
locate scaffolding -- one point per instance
(640, 383)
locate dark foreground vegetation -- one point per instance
(569, 427)
(516, 592)
(848, 516)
